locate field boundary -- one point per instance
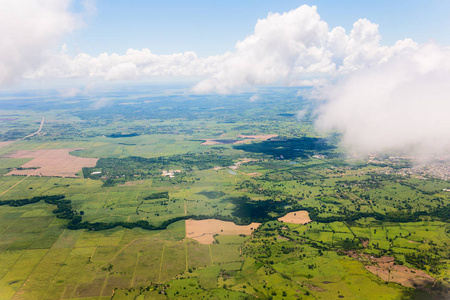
(14, 185)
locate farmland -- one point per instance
(51, 162)
(98, 220)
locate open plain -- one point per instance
(275, 217)
(204, 231)
(296, 217)
(51, 162)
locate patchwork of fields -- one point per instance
(262, 207)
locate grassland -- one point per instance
(359, 211)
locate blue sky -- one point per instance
(213, 27)
(222, 45)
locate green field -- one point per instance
(120, 233)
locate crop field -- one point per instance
(203, 231)
(52, 162)
(164, 197)
(296, 217)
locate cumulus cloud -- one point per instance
(69, 92)
(296, 47)
(90, 7)
(402, 104)
(301, 114)
(254, 98)
(27, 29)
(133, 64)
(100, 103)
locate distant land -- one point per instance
(210, 197)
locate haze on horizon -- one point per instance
(381, 97)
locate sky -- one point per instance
(379, 69)
(213, 27)
(62, 38)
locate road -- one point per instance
(7, 143)
(39, 130)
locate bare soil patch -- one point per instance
(296, 217)
(403, 275)
(365, 243)
(246, 139)
(221, 142)
(383, 260)
(262, 137)
(51, 162)
(209, 142)
(315, 288)
(3, 144)
(203, 231)
(253, 174)
(385, 268)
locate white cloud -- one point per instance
(90, 7)
(69, 92)
(254, 98)
(28, 28)
(298, 45)
(100, 103)
(401, 105)
(292, 48)
(133, 64)
(301, 114)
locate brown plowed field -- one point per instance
(296, 217)
(247, 139)
(385, 268)
(203, 231)
(52, 162)
(3, 144)
(403, 275)
(262, 137)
